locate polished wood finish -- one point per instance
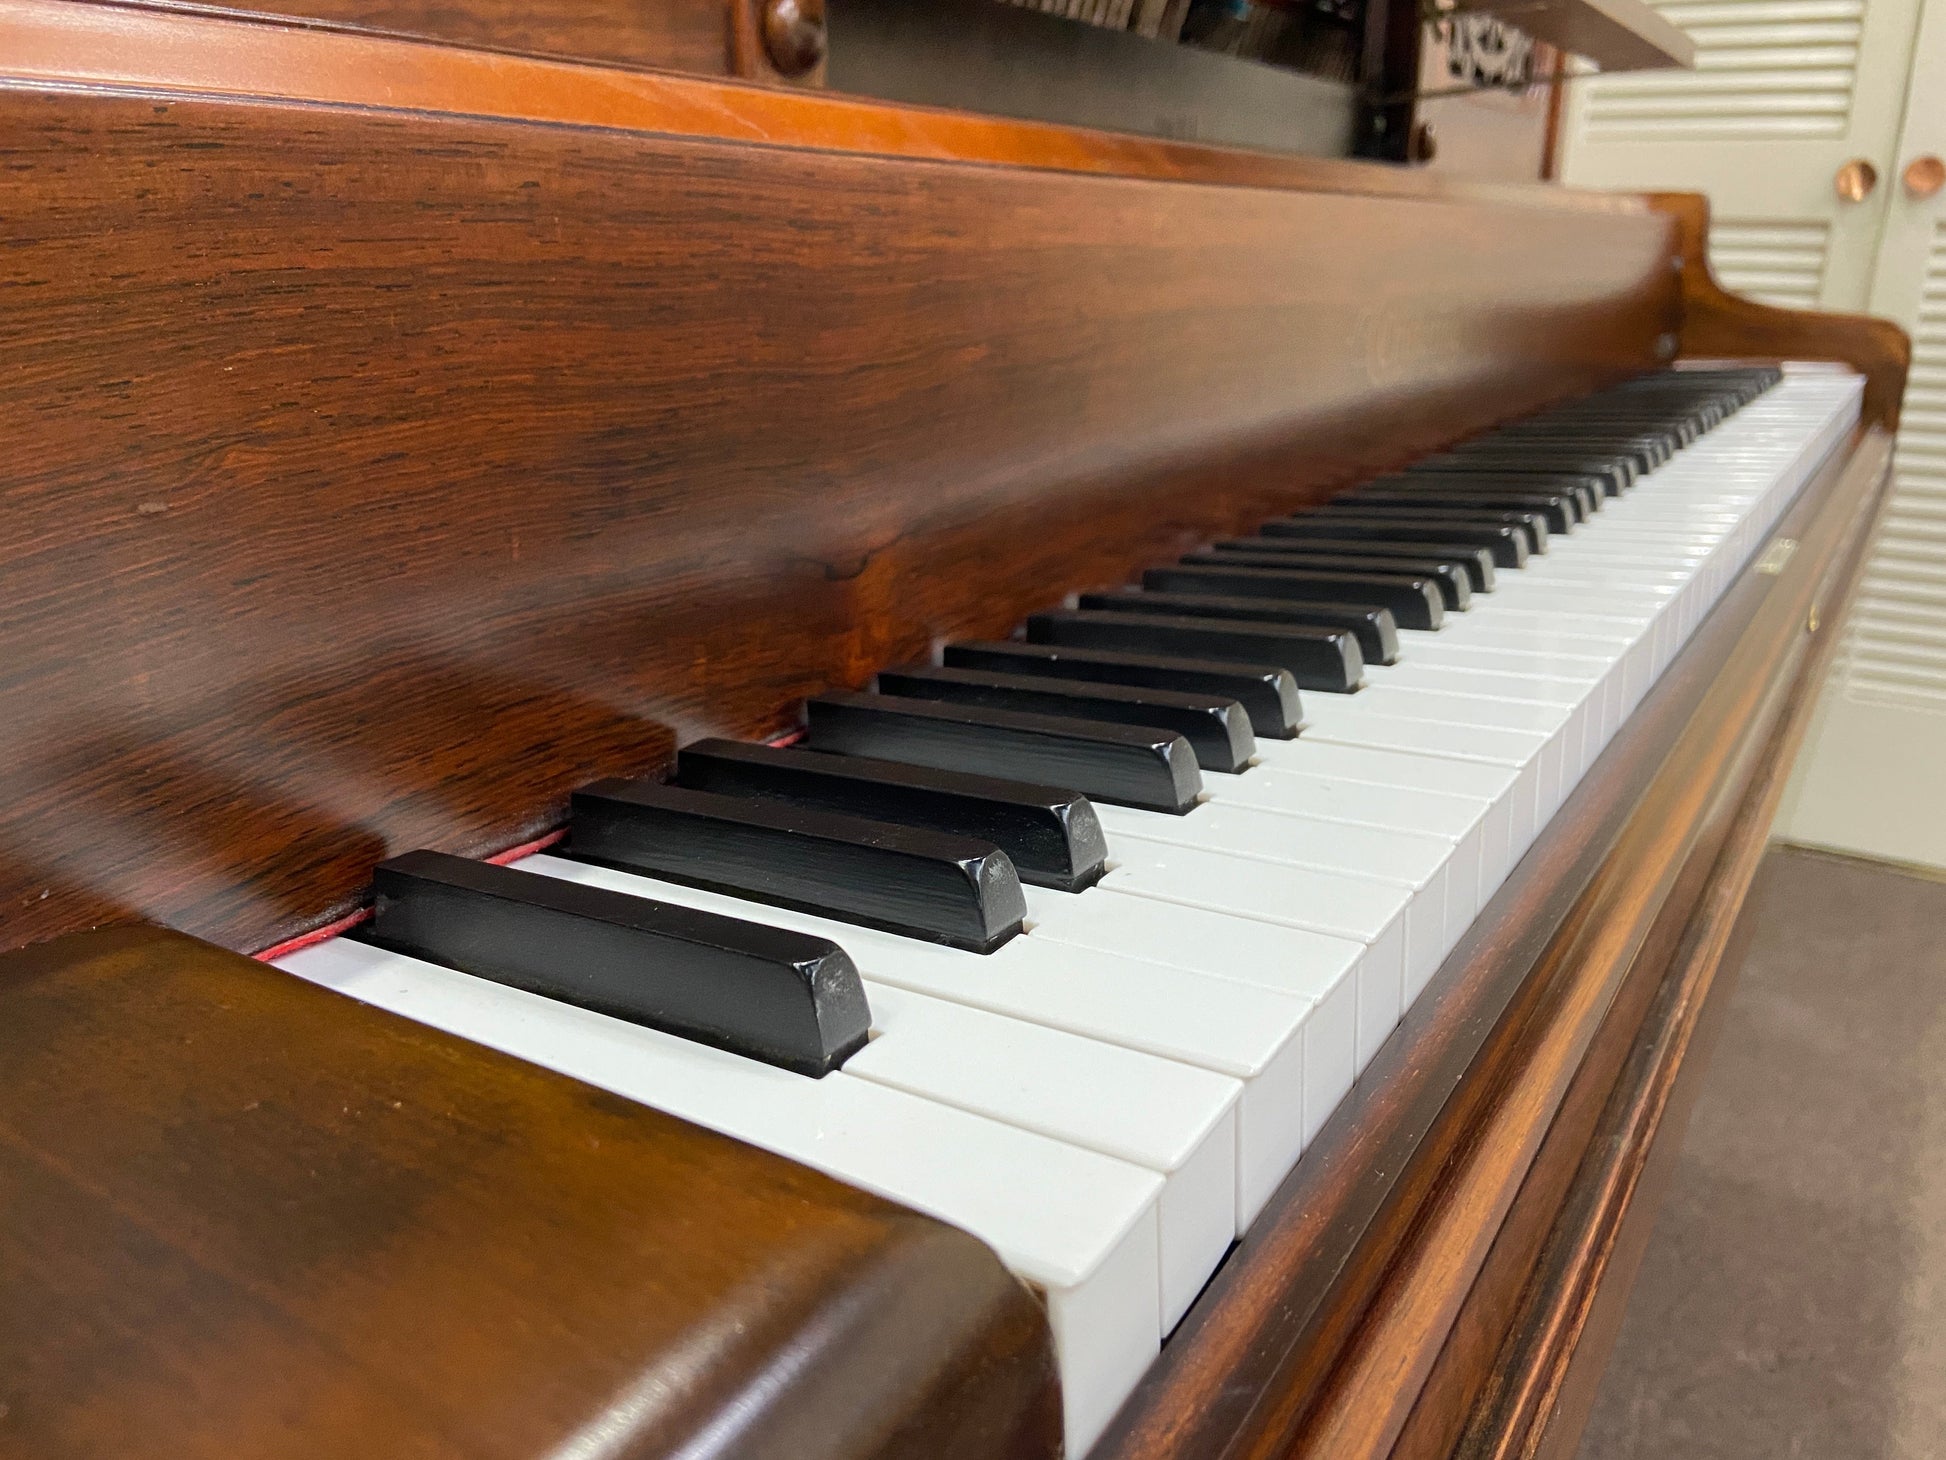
(55, 43)
(380, 477)
(248, 1216)
(1319, 1335)
(676, 35)
(1716, 322)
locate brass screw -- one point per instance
(1811, 623)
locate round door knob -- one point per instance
(1923, 176)
(1855, 180)
(794, 34)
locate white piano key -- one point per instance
(1617, 557)
(1678, 526)
(1590, 596)
(1571, 634)
(1498, 683)
(1459, 821)
(1406, 859)
(1633, 654)
(1289, 1038)
(1407, 772)
(1376, 914)
(1175, 1120)
(1608, 698)
(1537, 771)
(1584, 697)
(1655, 634)
(1079, 1225)
(1565, 727)
(1331, 971)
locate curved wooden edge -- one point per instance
(1319, 1333)
(246, 1215)
(1719, 323)
(176, 50)
(1535, 1397)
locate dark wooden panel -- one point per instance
(378, 478)
(1317, 1336)
(679, 35)
(247, 1216)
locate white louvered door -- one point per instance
(1784, 93)
(1873, 779)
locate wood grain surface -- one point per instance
(179, 51)
(378, 478)
(676, 35)
(1320, 1332)
(246, 1216)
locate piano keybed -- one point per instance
(1105, 1067)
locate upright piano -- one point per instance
(692, 769)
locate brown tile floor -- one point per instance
(1792, 1301)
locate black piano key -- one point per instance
(1664, 433)
(1267, 692)
(1216, 729)
(1531, 523)
(1128, 765)
(1534, 524)
(1649, 449)
(1053, 837)
(925, 884)
(1413, 598)
(1560, 510)
(1475, 562)
(1371, 624)
(785, 998)
(1504, 456)
(1448, 574)
(1588, 493)
(1507, 544)
(1635, 460)
(1615, 476)
(1651, 436)
(1328, 660)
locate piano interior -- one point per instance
(698, 767)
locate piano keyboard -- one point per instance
(1124, 938)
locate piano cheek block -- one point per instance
(785, 998)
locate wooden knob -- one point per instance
(794, 34)
(1855, 180)
(1923, 176)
